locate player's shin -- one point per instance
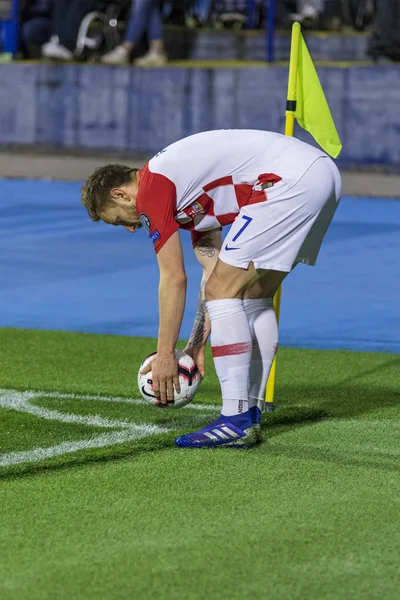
(231, 348)
(264, 330)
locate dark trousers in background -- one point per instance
(34, 33)
(67, 18)
(385, 40)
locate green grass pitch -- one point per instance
(97, 503)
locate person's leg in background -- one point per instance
(384, 42)
(77, 10)
(145, 18)
(156, 55)
(66, 20)
(53, 48)
(34, 33)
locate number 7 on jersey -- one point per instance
(247, 220)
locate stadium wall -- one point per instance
(209, 44)
(142, 110)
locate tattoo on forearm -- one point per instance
(197, 334)
(201, 301)
(196, 337)
(206, 247)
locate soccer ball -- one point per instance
(189, 378)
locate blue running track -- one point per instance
(58, 270)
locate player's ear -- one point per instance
(120, 195)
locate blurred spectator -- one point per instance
(385, 39)
(35, 18)
(66, 19)
(230, 13)
(308, 12)
(146, 18)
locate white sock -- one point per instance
(264, 330)
(231, 348)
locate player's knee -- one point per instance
(218, 288)
(254, 292)
(211, 290)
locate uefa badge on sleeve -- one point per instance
(145, 222)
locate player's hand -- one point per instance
(164, 372)
(197, 353)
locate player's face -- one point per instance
(123, 211)
(121, 214)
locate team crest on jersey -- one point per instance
(194, 209)
(145, 222)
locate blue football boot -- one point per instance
(236, 431)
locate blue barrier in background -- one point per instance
(143, 110)
(210, 44)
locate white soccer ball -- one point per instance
(189, 378)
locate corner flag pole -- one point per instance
(289, 130)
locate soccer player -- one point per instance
(278, 195)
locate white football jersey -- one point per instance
(201, 182)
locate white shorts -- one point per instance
(288, 227)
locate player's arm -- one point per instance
(171, 297)
(207, 252)
(156, 203)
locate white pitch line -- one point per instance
(98, 441)
(126, 430)
(21, 401)
(137, 401)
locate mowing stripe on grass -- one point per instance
(126, 430)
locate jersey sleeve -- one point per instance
(156, 205)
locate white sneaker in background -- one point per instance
(307, 16)
(118, 56)
(309, 12)
(152, 59)
(53, 49)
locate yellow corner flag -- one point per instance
(312, 110)
(307, 103)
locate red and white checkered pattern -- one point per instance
(218, 205)
(201, 182)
